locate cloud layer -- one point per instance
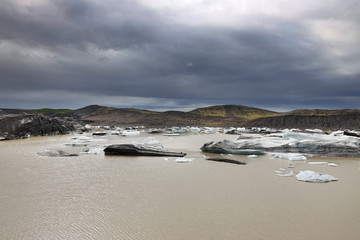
(180, 54)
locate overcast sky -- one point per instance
(180, 54)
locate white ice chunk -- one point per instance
(333, 164)
(149, 143)
(91, 151)
(317, 163)
(291, 156)
(311, 176)
(289, 174)
(252, 156)
(183, 160)
(130, 133)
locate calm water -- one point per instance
(101, 197)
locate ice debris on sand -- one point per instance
(252, 156)
(183, 160)
(332, 164)
(311, 176)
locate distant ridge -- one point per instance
(221, 116)
(237, 111)
(318, 118)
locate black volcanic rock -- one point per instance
(23, 125)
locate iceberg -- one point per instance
(228, 147)
(289, 142)
(311, 176)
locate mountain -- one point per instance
(217, 116)
(95, 114)
(318, 118)
(234, 111)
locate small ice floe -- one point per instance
(166, 159)
(311, 176)
(282, 173)
(183, 160)
(91, 151)
(291, 165)
(291, 156)
(289, 174)
(318, 163)
(130, 133)
(332, 164)
(56, 153)
(76, 144)
(252, 156)
(82, 138)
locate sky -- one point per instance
(180, 54)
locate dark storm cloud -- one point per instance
(122, 48)
(112, 24)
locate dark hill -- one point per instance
(234, 111)
(302, 119)
(95, 114)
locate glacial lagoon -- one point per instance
(93, 196)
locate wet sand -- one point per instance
(112, 197)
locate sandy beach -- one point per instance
(115, 197)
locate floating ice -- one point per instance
(252, 156)
(289, 174)
(76, 144)
(282, 173)
(317, 163)
(289, 142)
(91, 151)
(149, 143)
(311, 176)
(333, 164)
(183, 160)
(55, 153)
(291, 156)
(130, 133)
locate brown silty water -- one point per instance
(113, 197)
